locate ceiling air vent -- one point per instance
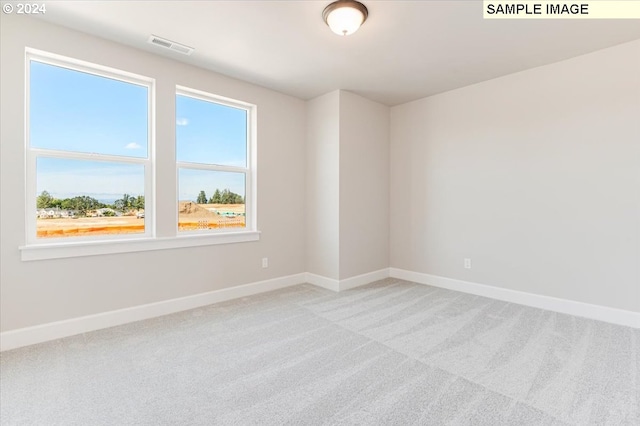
(171, 45)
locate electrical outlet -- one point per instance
(467, 263)
(265, 262)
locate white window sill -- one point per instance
(93, 248)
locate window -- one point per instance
(213, 153)
(92, 165)
(89, 168)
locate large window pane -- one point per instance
(85, 198)
(75, 111)
(210, 133)
(211, 200)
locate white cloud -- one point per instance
(132, 145)
(182, 121)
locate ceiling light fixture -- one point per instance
(344, 17)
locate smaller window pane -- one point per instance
(211, 200)
(210, 133)
(76, 111)
(87, 198)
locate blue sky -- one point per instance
(210, 133)
(208, 181)
(76, 111)
(64, 178)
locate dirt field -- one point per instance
(191, 216)
(85, 226)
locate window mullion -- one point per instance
(74, 155)
(214, 167)
(31, 202)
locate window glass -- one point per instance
(211, 200)
(85, 198)
(210, 133)
(88, 159)
(76, 111)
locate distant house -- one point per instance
(55, 212)
(106, 211)
(49, 213)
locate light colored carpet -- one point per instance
(389, 353)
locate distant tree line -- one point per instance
(220, 197)
(128, 202)
(83, 204)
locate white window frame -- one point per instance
(32, 154)
(249, 170)
(53, 248)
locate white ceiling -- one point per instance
(406, 50)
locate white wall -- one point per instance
(39, 292)
(534, 176)
(364, 185)
(347, 186)
(323, 187)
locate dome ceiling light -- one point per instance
(344, 17)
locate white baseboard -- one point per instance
(41, 333)
(565, 306)
(363, 279)
(347, 283)
(324, 282)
